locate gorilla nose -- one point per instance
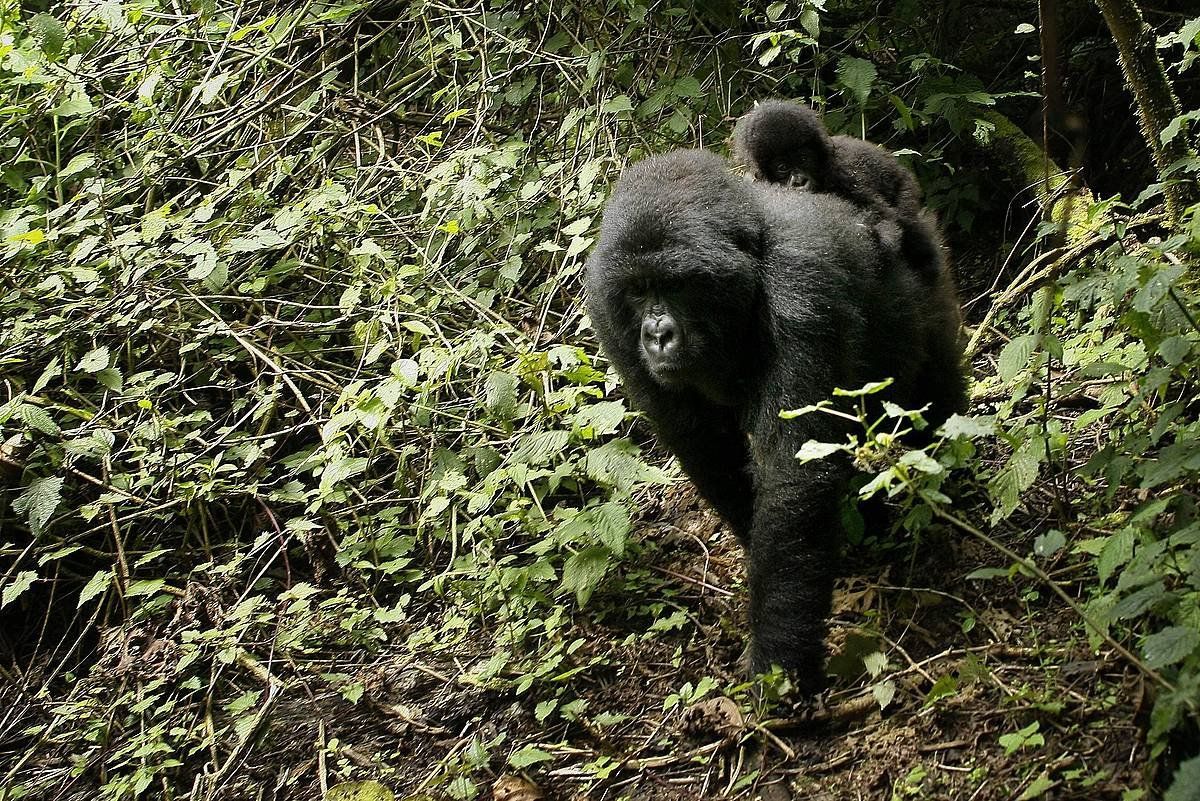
(660, 337)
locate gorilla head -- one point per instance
(721, 302)
(785, 143)
(692, 308)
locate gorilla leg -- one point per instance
(792, 561)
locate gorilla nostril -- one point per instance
(660, 336)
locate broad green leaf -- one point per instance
(617, 105)
(94, 360)
(583, 571)
(968, 427)
(13, 589)
(48, 32)
(38, 502)
(500, 395)
(529, 755)
(540, 448)
(210, 90)
(95, 586)
(367, 790)
(884, 692)
(921, 461)
(600, 419)
(812, 450)
(38, 418)
(607, 524)
(1014, 478)
(1138, 602)
(77, 164)
(1050, 543)
(1185, 782)
(1171, 645)
(77, 104)
(1015, 356)
(858, 76)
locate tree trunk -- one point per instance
(1156, 102)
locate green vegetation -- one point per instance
(313, 481)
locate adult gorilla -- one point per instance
(721, 302)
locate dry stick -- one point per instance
(1149, 672)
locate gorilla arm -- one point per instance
(710, 446)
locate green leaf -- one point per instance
(39, 419)
(921, 462)
(1014, 478)
(857, 75)
(1037, 787)
(1171, 645)
(418, 327)
(94, 360)
(1174, 349)
(607, 524)
(582, 573)
(1027, 737)
(1186, 780)
(144, 587)
(262, 239)
(210, 90)
(538, 449)
(77, 105)
(812, 450)
(48, 32)
(1015, 356)
(38, 502)
(500, 395)
(77, 164)
(884, 692)
(1050, 543)
(618, 463)
(1025, 27)
(95, 586)
(20, 582)
(529, 755)
(600, 419)
(154, 225)
(968, 427)
(687, 86)
(621, 104)
(1138, 602)
(875, 663)
(946, 685)
(811, 22)
(358, 791)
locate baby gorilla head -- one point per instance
(784, 143)
(673, 279)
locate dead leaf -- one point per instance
(516, 788)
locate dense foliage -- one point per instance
(303, 433)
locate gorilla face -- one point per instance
(683, 311)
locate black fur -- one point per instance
(786, 143)
(772, 298)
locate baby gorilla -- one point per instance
(722, 302)
(786, 143)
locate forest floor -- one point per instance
(996, 694)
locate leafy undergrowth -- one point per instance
(313, 474)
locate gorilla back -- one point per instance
(721, 302)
